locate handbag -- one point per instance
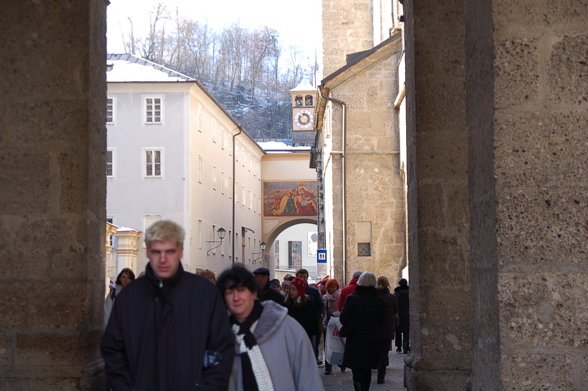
(335, 344)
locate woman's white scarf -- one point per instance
(260, 371)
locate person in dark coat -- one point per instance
(317, 301)
(262, 275)
(300, 307)
(363, 312)
(403, 331)
(164, 325)
(386, 331)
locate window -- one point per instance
(110, 154)
(237, 192)
(200, 118)
(153, 163)
(222, 182)
(243, 195)
(214, 130)
(223, 138)
(199, 234)
(153, 110)
(364, 250)
(214, 239)
(250, 199)
(147, 221)
(229, 246)
(199, 168)
(110, 111)
(214, 175)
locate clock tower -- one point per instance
(303, 121)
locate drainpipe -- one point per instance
(343, 177)
(233, 199)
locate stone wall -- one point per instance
(52, 204)
(347, 28)
(540, 100)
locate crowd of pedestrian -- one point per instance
(249, 332)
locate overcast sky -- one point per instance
(283, 16)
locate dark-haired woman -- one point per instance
(301, 308)
(123, 279)
(271, 351)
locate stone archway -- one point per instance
(270, 237)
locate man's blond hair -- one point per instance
(163, 231)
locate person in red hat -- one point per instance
(301, 308)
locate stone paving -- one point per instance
(341, 381)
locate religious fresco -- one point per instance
(290, 198)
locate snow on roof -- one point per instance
(126, 229)
(304, 86)
(129, 68)
(279, 146)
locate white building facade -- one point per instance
(174, 153)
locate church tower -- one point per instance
(303, 99)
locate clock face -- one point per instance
(303, 119)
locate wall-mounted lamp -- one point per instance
(262, 245)
(221, 232)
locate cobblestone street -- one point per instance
(341, 381)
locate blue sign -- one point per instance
(321, 256)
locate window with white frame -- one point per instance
(237, 151)
(250, 199)
(200, 117)
(214, 179)
(236, 192)
(153, 110)
(110, 102)
(243, 194)
(147, 221)
(229, 244)
(153, 162)
(214, 130)
(223, 138)
(229, 189)
(199, 168)
(222, 182)
(110, 167)
(199, 234)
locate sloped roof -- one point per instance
(354, 58)
(304, 86)
(130, 68)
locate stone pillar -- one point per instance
(52, 203)
(127, 250)
(438, 203)
(528, 130)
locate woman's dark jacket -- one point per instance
(158, 332)
(401, 293)
(363, 313)
(306, 316)
(387, 330)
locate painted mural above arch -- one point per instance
(295, 198)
